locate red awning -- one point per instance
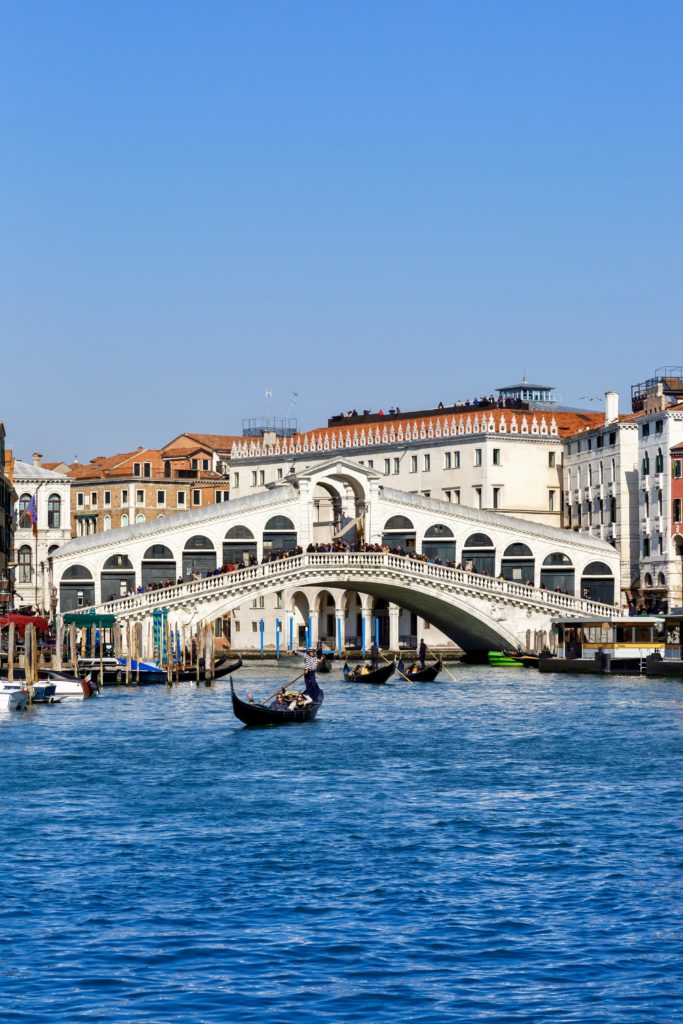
(22, 621)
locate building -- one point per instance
(34, 548)
(136, 487)
(6, 522)
(503, 460)
(601, 487)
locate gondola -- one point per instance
(380, 675)
(262, 714)
(189, 675)
(323, 666)
(425, 675)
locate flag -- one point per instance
(32, 513)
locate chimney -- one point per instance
(37, 458)
(611, 407)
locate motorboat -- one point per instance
(622, 644)
(69, 687)
(13, 697)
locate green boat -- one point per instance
(509, 659)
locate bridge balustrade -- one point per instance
(353, 560)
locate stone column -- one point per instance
(366, 614)
(340, 630)
(394, 613)
(313, 620)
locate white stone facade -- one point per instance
(33, 552)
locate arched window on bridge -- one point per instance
(557, 573)
(518, 563)
(439, 543)
(76, 589)
(117, 578)
(399, 532)
(199, 556)
(158, 565)
(239, 546)
(279, 535)
(479, 554)
(597, 583)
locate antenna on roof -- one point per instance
(292, 401)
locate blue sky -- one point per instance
(363, 203)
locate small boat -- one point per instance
(143, 671)
(44, 693)
(110, 669)
(512, 659)
(324, 666)
(376, 677)
(12, 696)
(189, 675)
(71, 688)
(266, 714)
(424, 675)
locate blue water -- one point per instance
(507, 849)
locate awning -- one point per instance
(22, 621)
(84, 619)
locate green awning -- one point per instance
(82, 619)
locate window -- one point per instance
(124, 520)
(496, 458)
(258, 602)
(106, 498)
(456, 460)
(612, 437)
(196, 497)
(447, 460)
(413, 463)
(371, 463)
(659, 426)
(426, 463)
(447, 496)
(136, 469)
(646, 547)
(646, 464)
(677, 469)
(124, 497)
(551, 501)
(25, 570)
(237, 625)
(279, 594)
(551, 460)
(93, 499)
(139, 497)
(235, 479)
(254, 478)
(397, 465)
(387, 467)
(599, 441)
(54, 512)
(496, 497)
(139, 518)
(477, 497)
(107, 523)
(262, 477)
(280, 472)
(677, 510)
(659, 461)
(80, 499)
(477, 458)
(645, 430)
(456, 496)
(161, 499)
(222, 496)
(147, 469)
(254, 627)
(205, 464)
(181, 498)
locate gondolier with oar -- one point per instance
(311, 688)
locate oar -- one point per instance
(396, 669)
(446, 670)
(295, 680)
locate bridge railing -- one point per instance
(356, 560)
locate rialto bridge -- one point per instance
(509, 575)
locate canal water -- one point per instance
(506, 848)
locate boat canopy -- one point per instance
(85, 619)
(22, 621)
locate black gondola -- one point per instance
(263, 714)
(376, 677)
(425, 675)
(221, 670)
(323, 666)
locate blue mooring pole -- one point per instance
(363, 627)
(261, 625)
(277, 639)
(291, 632)
(339, 643)
(377, 630)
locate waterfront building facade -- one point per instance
(42, 525)
(136, 487)
(6, 523)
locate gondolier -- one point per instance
(311, 663)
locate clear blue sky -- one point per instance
(366, 203)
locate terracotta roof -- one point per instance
(543, 423)
(117, 465)
(216, 442)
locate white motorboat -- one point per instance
(68, 687)
(12, 696)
